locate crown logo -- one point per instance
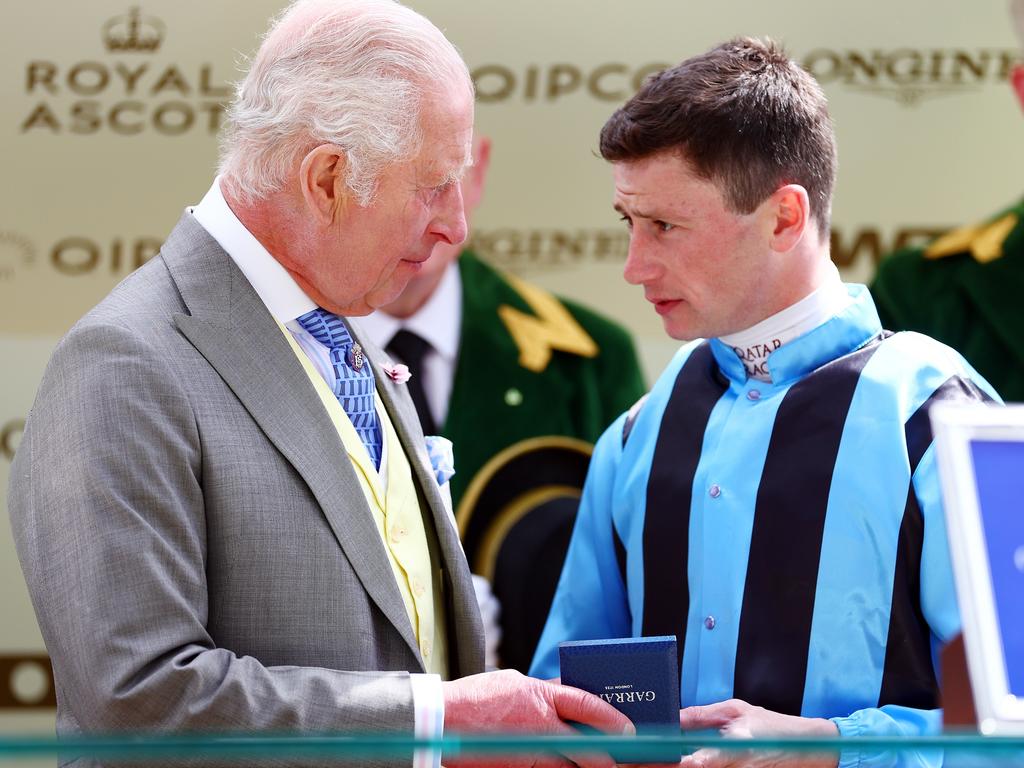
(133, 32)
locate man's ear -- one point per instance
(1017, 80)
(476, 174)
(322, 181)
(790, 212)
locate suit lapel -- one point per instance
(402, 413)
(229, 325)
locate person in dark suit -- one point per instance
(505, 371)
(963, 289)
(223, 502)
(490, 381)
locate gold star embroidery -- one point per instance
(551, 327)
(983, 241)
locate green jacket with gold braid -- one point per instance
(531, 365)
(965, 289)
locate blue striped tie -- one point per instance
(353, 384)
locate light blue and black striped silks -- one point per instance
(788, 533)
(354, 385)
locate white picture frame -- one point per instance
(961, 432)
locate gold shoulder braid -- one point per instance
(983, 241)
(551, 327)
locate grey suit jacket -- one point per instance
(196, 544)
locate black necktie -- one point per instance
(411, 350)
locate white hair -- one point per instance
(348, 72)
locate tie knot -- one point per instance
(410, 348)
(353, 383)
(327, 328)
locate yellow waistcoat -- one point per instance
(399, 520)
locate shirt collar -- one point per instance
(275, 287)
(437, 321)
(849, 330)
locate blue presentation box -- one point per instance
(639, 676)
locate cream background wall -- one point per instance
(103, 141)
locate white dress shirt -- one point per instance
(755, 344)
(439, 323)
(278, 290)
(286, 301)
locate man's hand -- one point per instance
(740, 720)
(508, 702)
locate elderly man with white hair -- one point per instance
(225, 509)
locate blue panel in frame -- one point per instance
(999, 476)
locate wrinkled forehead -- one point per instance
(446, 121)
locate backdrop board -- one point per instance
(110, 113)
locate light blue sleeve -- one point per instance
(938, 589)
(890, 721)
(590, 602)
(939, 605)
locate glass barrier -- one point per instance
(953, 750)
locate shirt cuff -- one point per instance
(428, 715)
(849, 727)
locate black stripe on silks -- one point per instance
(785, 546)
(620, 560)
(669, 491)
(631, 416)
(908, 675)
(627, 426)
(919, 429)
(620, 553)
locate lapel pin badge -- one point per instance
(356, 358)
